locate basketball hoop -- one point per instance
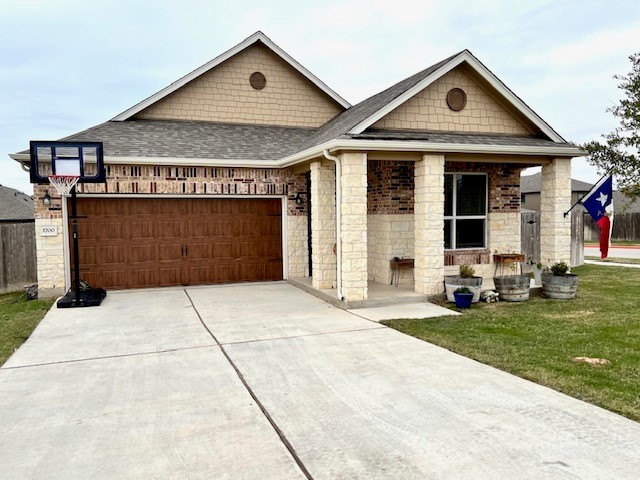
(63, 183)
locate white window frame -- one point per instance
(455, 217)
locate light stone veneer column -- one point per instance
(50, 257)
(429, 225)
(354, 226)
(297, 244)
(323, 224)
(555, 199)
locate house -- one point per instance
(15, 206)
(530, 194)
(17, 240)
(251, 168)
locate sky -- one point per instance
(66, 65)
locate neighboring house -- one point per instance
(251, 168)
(17, 240)
(15, 206)
(530, 194)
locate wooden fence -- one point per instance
(626, 226)
(530, 238)
(17, 256)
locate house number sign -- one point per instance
(49, 231)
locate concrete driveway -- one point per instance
(265, 381)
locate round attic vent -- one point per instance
(258, 80)
(456, 99)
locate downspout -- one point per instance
(328, 156)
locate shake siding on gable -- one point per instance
(225, 95)
(428, 110)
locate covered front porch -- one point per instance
(440, 210)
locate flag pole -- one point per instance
(589, 192)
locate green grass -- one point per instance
(538, 338)
(17, 321)
(635, 261)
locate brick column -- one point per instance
(354, 226)
(555, 199)
(429, 225)
(323, 224)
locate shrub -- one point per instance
(467, 271)
(559, 269)
(462, 290)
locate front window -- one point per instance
(465, 210)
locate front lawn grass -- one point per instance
(635, 261)
(17, 321)
(537, 339)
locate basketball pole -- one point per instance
(76, 260)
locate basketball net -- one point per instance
(63, 183)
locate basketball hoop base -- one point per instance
(88, 298)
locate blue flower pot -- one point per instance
(463, 300)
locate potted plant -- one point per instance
(465, 278)
(463, 297)
(513, 288)
(558, 283)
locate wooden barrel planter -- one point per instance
(560, 287)
(453, 282)
(513, 288)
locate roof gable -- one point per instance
(432, 74)
(483, 113)
(257, 38)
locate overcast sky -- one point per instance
(66, 65)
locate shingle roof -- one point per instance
(621, 203)
(190, 139)
(532, 183)
(15, 205)
(341, 124)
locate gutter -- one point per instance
(335, 159)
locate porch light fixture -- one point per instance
(298, 197)
(46, 200)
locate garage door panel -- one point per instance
(197, 228)
(169, 228)
(110, 254)
(198, 251)
(142, 230)
(170, 252)
(144, 277)
(144, 254)
(169, 276)
(114, 278)
(132, 243)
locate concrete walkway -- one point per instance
(265, 381)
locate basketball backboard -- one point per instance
(72, 159)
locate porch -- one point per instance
(367, 209)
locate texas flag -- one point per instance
(598, 203)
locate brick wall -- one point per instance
(224, 95)
(390, 187)
(140, 179)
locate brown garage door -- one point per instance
(157, 242)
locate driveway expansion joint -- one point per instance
(107, 357)
(255, 398)
(243, 342)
